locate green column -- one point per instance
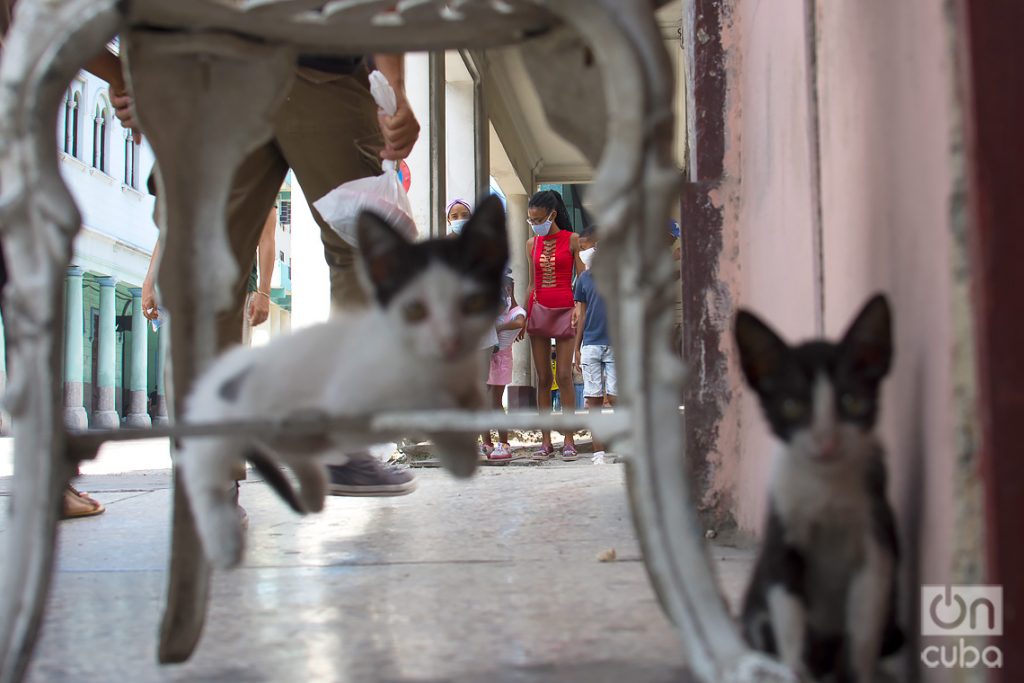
(104, 413)
(160, 406)
(137, 415)
(74, 410)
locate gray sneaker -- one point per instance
(366, 476)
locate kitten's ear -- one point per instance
(380, 248)
(867, 345)
(762, 352)
(485, 235)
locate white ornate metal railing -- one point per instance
(207, 76)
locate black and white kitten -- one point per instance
(822, 596)
(415, 347)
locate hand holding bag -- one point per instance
(555, 323)
(382, 194)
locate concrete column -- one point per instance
(437, 141)
(460, 142)
(481, 131)
(275, 321)
(136, 412)
(104, 414)
(160, 406)
(74, 409)
(520, 392)
(5, 417)
(417, 90)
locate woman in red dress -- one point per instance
(554, 261)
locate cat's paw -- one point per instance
(457, 453)
(312, 478)
(223, 536)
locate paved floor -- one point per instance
(496, 579)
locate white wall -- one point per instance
(311, 287)
(118, 232)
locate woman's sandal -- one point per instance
(543, 453)
(569, 452)
(79, 504)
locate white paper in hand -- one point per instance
(383, 194)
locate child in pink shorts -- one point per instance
(508, 325)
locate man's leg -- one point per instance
(255, 187)
(611, 380)
(329, 135)
(257, 182)
(328, 132)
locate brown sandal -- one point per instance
(79, 504)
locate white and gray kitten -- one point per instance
(415, 347)
(823, 593)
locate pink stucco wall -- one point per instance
(887, 169)
(885, 93)
(774, 222)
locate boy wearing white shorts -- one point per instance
(593, 345)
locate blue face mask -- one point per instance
(456, 226)
(542, 229)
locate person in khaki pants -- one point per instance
(328, 131)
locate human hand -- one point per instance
(522, 334)
(259, 308)
(124, 110)
(575, 317)
(400, 131)
(149, 303)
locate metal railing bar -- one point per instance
(385, 423)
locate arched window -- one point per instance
(71, 105)
(99, 137)
(131, 160)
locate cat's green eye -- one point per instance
(475, 303)
(854, 405)
(792, 409)
(415, 312)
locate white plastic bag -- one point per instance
(382, 194)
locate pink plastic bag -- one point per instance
(382, 194)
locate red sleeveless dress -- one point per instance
(552, 270)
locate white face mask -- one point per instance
(586, 256)
(456, 226)
(542, 229)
